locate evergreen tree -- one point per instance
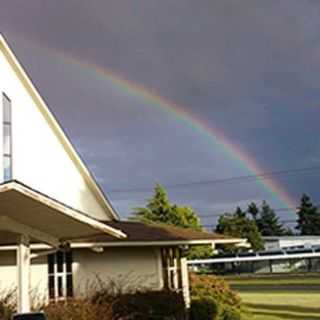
(268, 223)
(239, 213)
(159, 210)
(253, 210)
(308, 217)
(239, 226)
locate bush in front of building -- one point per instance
(8, 303)
(145, 305)
(148, 305)
(80, 309)
(204, 308)
(212, 299)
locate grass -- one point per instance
(280, 297)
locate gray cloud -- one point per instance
(249, 68)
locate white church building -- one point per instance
(58, 231)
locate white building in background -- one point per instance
(291, 242)
(49, 200)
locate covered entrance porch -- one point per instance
(27, 217)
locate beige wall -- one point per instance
(39, 159)
(138, 267)
(38, 276)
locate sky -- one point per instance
(244, 74)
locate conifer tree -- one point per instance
(308, 222)
(160, 210)
(240, 226)
(253, 210)
(268, 223)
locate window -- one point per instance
(171, 265)
(60, 275)
(7, 139)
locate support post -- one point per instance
(271, 266)
(185, 281)
(23, 273)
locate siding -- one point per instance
(130, 267)
(39, 159)
(134, 267)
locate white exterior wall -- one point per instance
(271, 245)
(291, 242)
(307, 243)
(132, 267)
(38, 275)
(135, 267)
(39, 159)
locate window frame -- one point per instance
(7, 125)
(59, 276)
(171, 268)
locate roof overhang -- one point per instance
(157, 243)
(26, 211)
(119, 244)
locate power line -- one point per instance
(215, 214)
(213, 225)
(239, 179)
(219, 214)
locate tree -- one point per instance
(253, 210)
(268, 223)
(308, 217)
(159, 210)
(240, 226)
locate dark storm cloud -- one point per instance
(250, 68)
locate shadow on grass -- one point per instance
(291, 316)
(278, 307)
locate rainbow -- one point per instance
(181, 114)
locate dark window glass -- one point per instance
(60, 261)
(69, 286)
(51, 263)
(69, 261)
(60, 286)
(51, 287)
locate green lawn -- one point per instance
(294, 297)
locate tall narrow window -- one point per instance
(7, 139)
(171, 264)
(60, 275)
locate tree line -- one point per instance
(257, 222)
(253, 223)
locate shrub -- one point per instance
(107, 304)
(114, 299)
(230, 313)
(143, 305)
(77, 309)
(213, 295)
(204, 308)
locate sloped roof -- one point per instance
(142, 233)
(24, 210)
(56, 127)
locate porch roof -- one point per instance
(27, 211)
(142, 234)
